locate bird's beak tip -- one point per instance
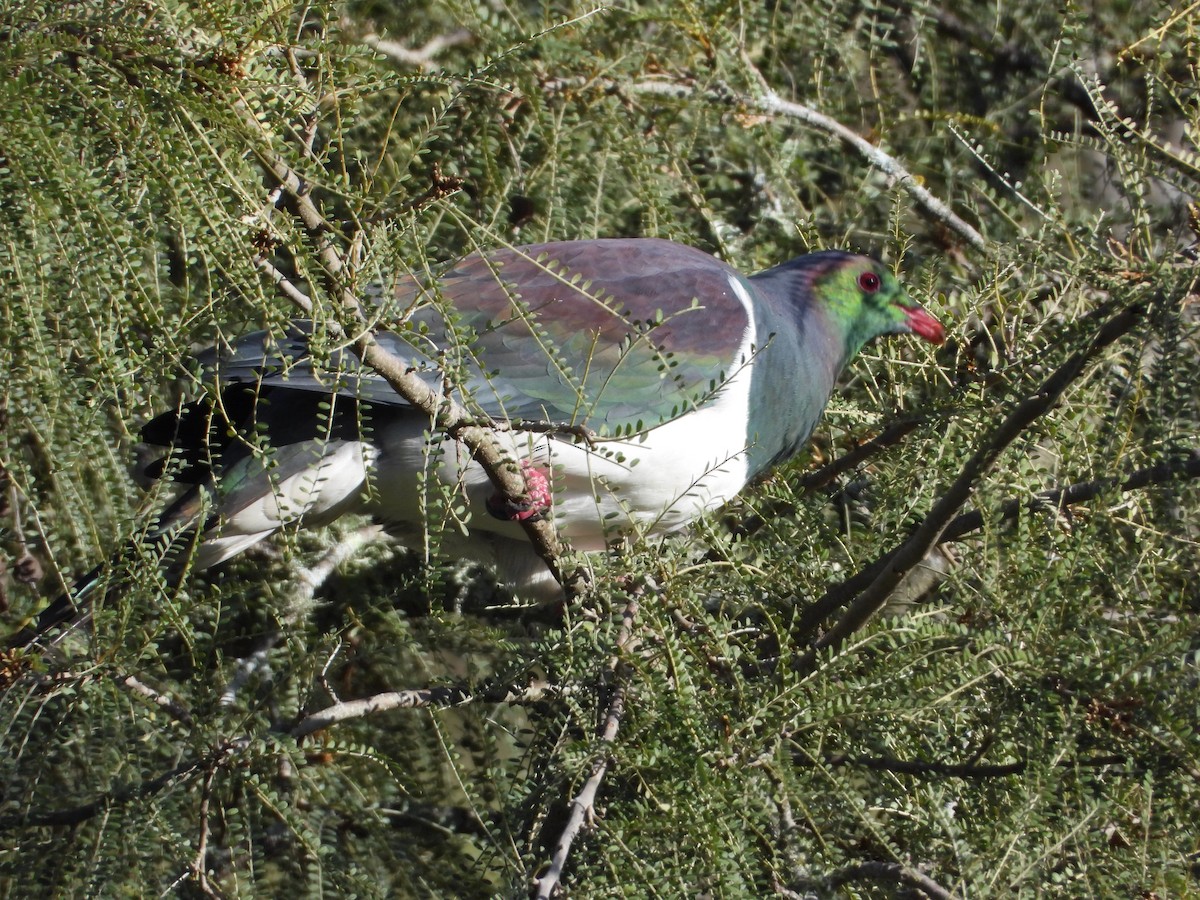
(922, 324)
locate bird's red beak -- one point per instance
(923, 324)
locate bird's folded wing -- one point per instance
(615, 335)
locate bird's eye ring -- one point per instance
(869, 282)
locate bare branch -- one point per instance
(211, 763)
(891, 871)
(442, 696)
(1183, 467)
(921, 768)
(423, 56)
(300, 299)
(200, 864)
(583, 804)
(162, 701)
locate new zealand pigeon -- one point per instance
(690, 377)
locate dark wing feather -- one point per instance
(208, 438)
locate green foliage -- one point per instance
(1021, 723)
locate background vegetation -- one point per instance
(1021, 719)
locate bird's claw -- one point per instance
(536, 504)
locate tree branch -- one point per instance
(441, 696)
(953, 770)
(890, 871)
(1183, 467)
(76, 814)
(200, 864)
(888, 571)
(423, 56)
(451, 418)
(894, 433)
(174, 709)
(339, 712)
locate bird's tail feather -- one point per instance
(167, 546)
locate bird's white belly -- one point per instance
(652, 484)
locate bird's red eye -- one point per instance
(869, 282)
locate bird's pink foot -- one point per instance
(538, 498)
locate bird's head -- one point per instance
(865, 299)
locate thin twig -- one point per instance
(891, 871)
(249, 666)
(162, 701)
(923, 768)
(441, 696)
(892, 434)
(310, 579)
(770, 102)
(583, 804)
(307, 582)
(423, 56)
(199, 866)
